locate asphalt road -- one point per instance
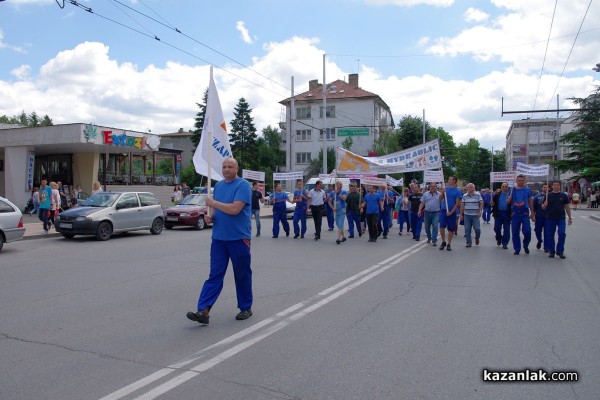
(396, 319)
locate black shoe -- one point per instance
(385, 236)
(296, 236)
(498, 242)
(317, 237)
(274, 237)
(546, 251)
(538, 245)
(526, 250)
(330, 229)
(551, 255)
(428, 241)
(302, 237)
(343, 239)
(338, 241)
(417, 238)
(561, 256)
(442, 246)
(400, 233)
(448, 248)
(516, 253)
(370, 240)
(505, 247)
(351, 237)
(287, 234)
(198, 316)
(468, 245)
(258, 234)
(360, 235)
(244, 315)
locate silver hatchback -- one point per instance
(11, 223)
(106, 213)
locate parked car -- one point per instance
(80, 197)
(189, 212)
(107, 213)
(11, 222)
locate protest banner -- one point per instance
(503, 176)
(253, 175)
(394, 182)
(533, 170)
(287, 176)
(371, 181)
(433, 176)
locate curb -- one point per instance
(595, 217)
(41, 236)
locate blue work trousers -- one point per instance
(502, 227)
(520, 223)
(402, 218)
(277, 217)
(540, 222)
(330, 217)
(487, 213)
(383, 221)
(353, 219)
(432, 222)
(299, 221)
(416, 223)
(221, 251)
(550, 230)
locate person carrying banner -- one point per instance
(540, 217)
(353, 211)
(230, 211)
(430, 209)
(501, 211)
(451, 197)
(487, 205)
(279, 199)
(300, 199)
(556, 204)
(373, 204)
(316, 199)
(337, 202)
(521, 201)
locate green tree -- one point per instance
(582, 145)
(411, 131)
(243, 136)
(387, 142)
(474, 163)
(447, 149)
(269, 153)
(190, 176)
(197, 132)
(347, 143)
(22, 119)
(165, 167)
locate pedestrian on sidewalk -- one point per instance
(556, 205)
(45, 202)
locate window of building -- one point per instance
(303, 135)
(330, 134)
(303, 113)
(330, 112)
(549, 134)
(303, 158)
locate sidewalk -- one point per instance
(35, 230)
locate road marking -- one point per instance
(220, 351)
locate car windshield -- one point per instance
(194, 200)
(101, 200)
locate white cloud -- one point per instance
(85, 84)
(4, 45)
(475, 15)
(517, 36)
(241, 27)
(410, 3)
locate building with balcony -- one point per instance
(351, 110)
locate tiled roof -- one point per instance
(343, 90)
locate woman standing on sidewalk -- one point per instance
(54, 202)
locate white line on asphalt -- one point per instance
(214, 357)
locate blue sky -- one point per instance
(453, 58)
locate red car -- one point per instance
(190, 212)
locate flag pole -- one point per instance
(208, 111)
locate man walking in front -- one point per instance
(45, 202)
(448, 212)
(316, 200)
(231, 233)
(471, 208)
(556, 205)
(256, 200)
(430, 208)
(301, 201)
(521, 201)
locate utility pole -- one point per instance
(324, 117)
(290, 167)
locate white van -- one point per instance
(310, 184)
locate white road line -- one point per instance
(282, 320)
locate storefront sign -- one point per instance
(143, 142)
(30, 164)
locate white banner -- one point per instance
(533, 170)
(394, 182)
(503, 176)
(253, 175)
(371, 181)
(418, 158)
(287, 176)
(326, 176)
(433, 176)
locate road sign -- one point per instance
(353, 131)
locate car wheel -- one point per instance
(201, 224)
(68, 235)
(168, 226)
(157, 226)
(104, 231)
(1, 243)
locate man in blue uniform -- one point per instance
(486, 196)
(448, 212)
(230, 211)
(279, 199)
(521, 201)
(501, 211)
(373, 205)
(301, 201)
(556, 204)
(540, 217)
(328, 209)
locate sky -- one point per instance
(143, 65)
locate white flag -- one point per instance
(214, 143)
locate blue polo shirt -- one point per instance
(452, 194)
(372, 201)
(502, 206)
(340, 205)
(233, 227)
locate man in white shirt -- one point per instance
(316, 200)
